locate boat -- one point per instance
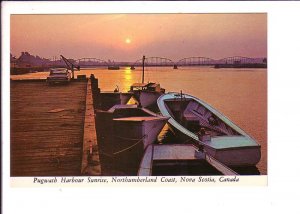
(146, 93)
(180, 159)
(113, 67)
(104, 100)
(198, 122)
(108, 99)
(130, 124)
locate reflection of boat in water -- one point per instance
(195, 120)
(179, 159)
(146, 93)
(131, 124)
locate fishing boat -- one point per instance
(130, 124)
(179, 159)
(146, 93)
(196, 121)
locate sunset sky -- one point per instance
(126, 37)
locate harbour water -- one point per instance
(240, 94)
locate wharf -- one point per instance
(50, 135)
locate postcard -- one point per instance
(136, 97)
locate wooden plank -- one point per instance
(40, 135)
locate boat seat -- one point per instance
(200, 109)
(189, 116)
(204, 123)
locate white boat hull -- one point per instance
(145, 132)
(233, 156)
(179, 153)
(233, 150)
(146, 98)
(236, 157)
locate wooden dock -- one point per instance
(47, 128)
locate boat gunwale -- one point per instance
(171, 96)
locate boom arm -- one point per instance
(70, 65)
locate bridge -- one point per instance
(153, 62)
(196, 61)
(91, 62)
(156, 61)
(233, 61)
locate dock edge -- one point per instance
(90, 154)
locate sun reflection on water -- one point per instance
(128, 73)
(127, 77)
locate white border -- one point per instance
(282, 193)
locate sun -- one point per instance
(128, 41)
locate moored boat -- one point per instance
(146, 93)
(180, 159)
(113, 67)
(107, 99)
(196, 121)
(130, 124)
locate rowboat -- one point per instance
(179, 159)
(198, 122)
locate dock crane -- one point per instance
(70, 65)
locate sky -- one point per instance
(126, 37)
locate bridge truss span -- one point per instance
(196, 61)
(89, 62)
(155, 61)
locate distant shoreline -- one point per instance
(19, 71)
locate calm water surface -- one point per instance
(240, 94)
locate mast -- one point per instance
(143, 69)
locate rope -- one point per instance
(123, 150)
(129, 147)
(127, 138)
(187, 140)
(106, 154)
